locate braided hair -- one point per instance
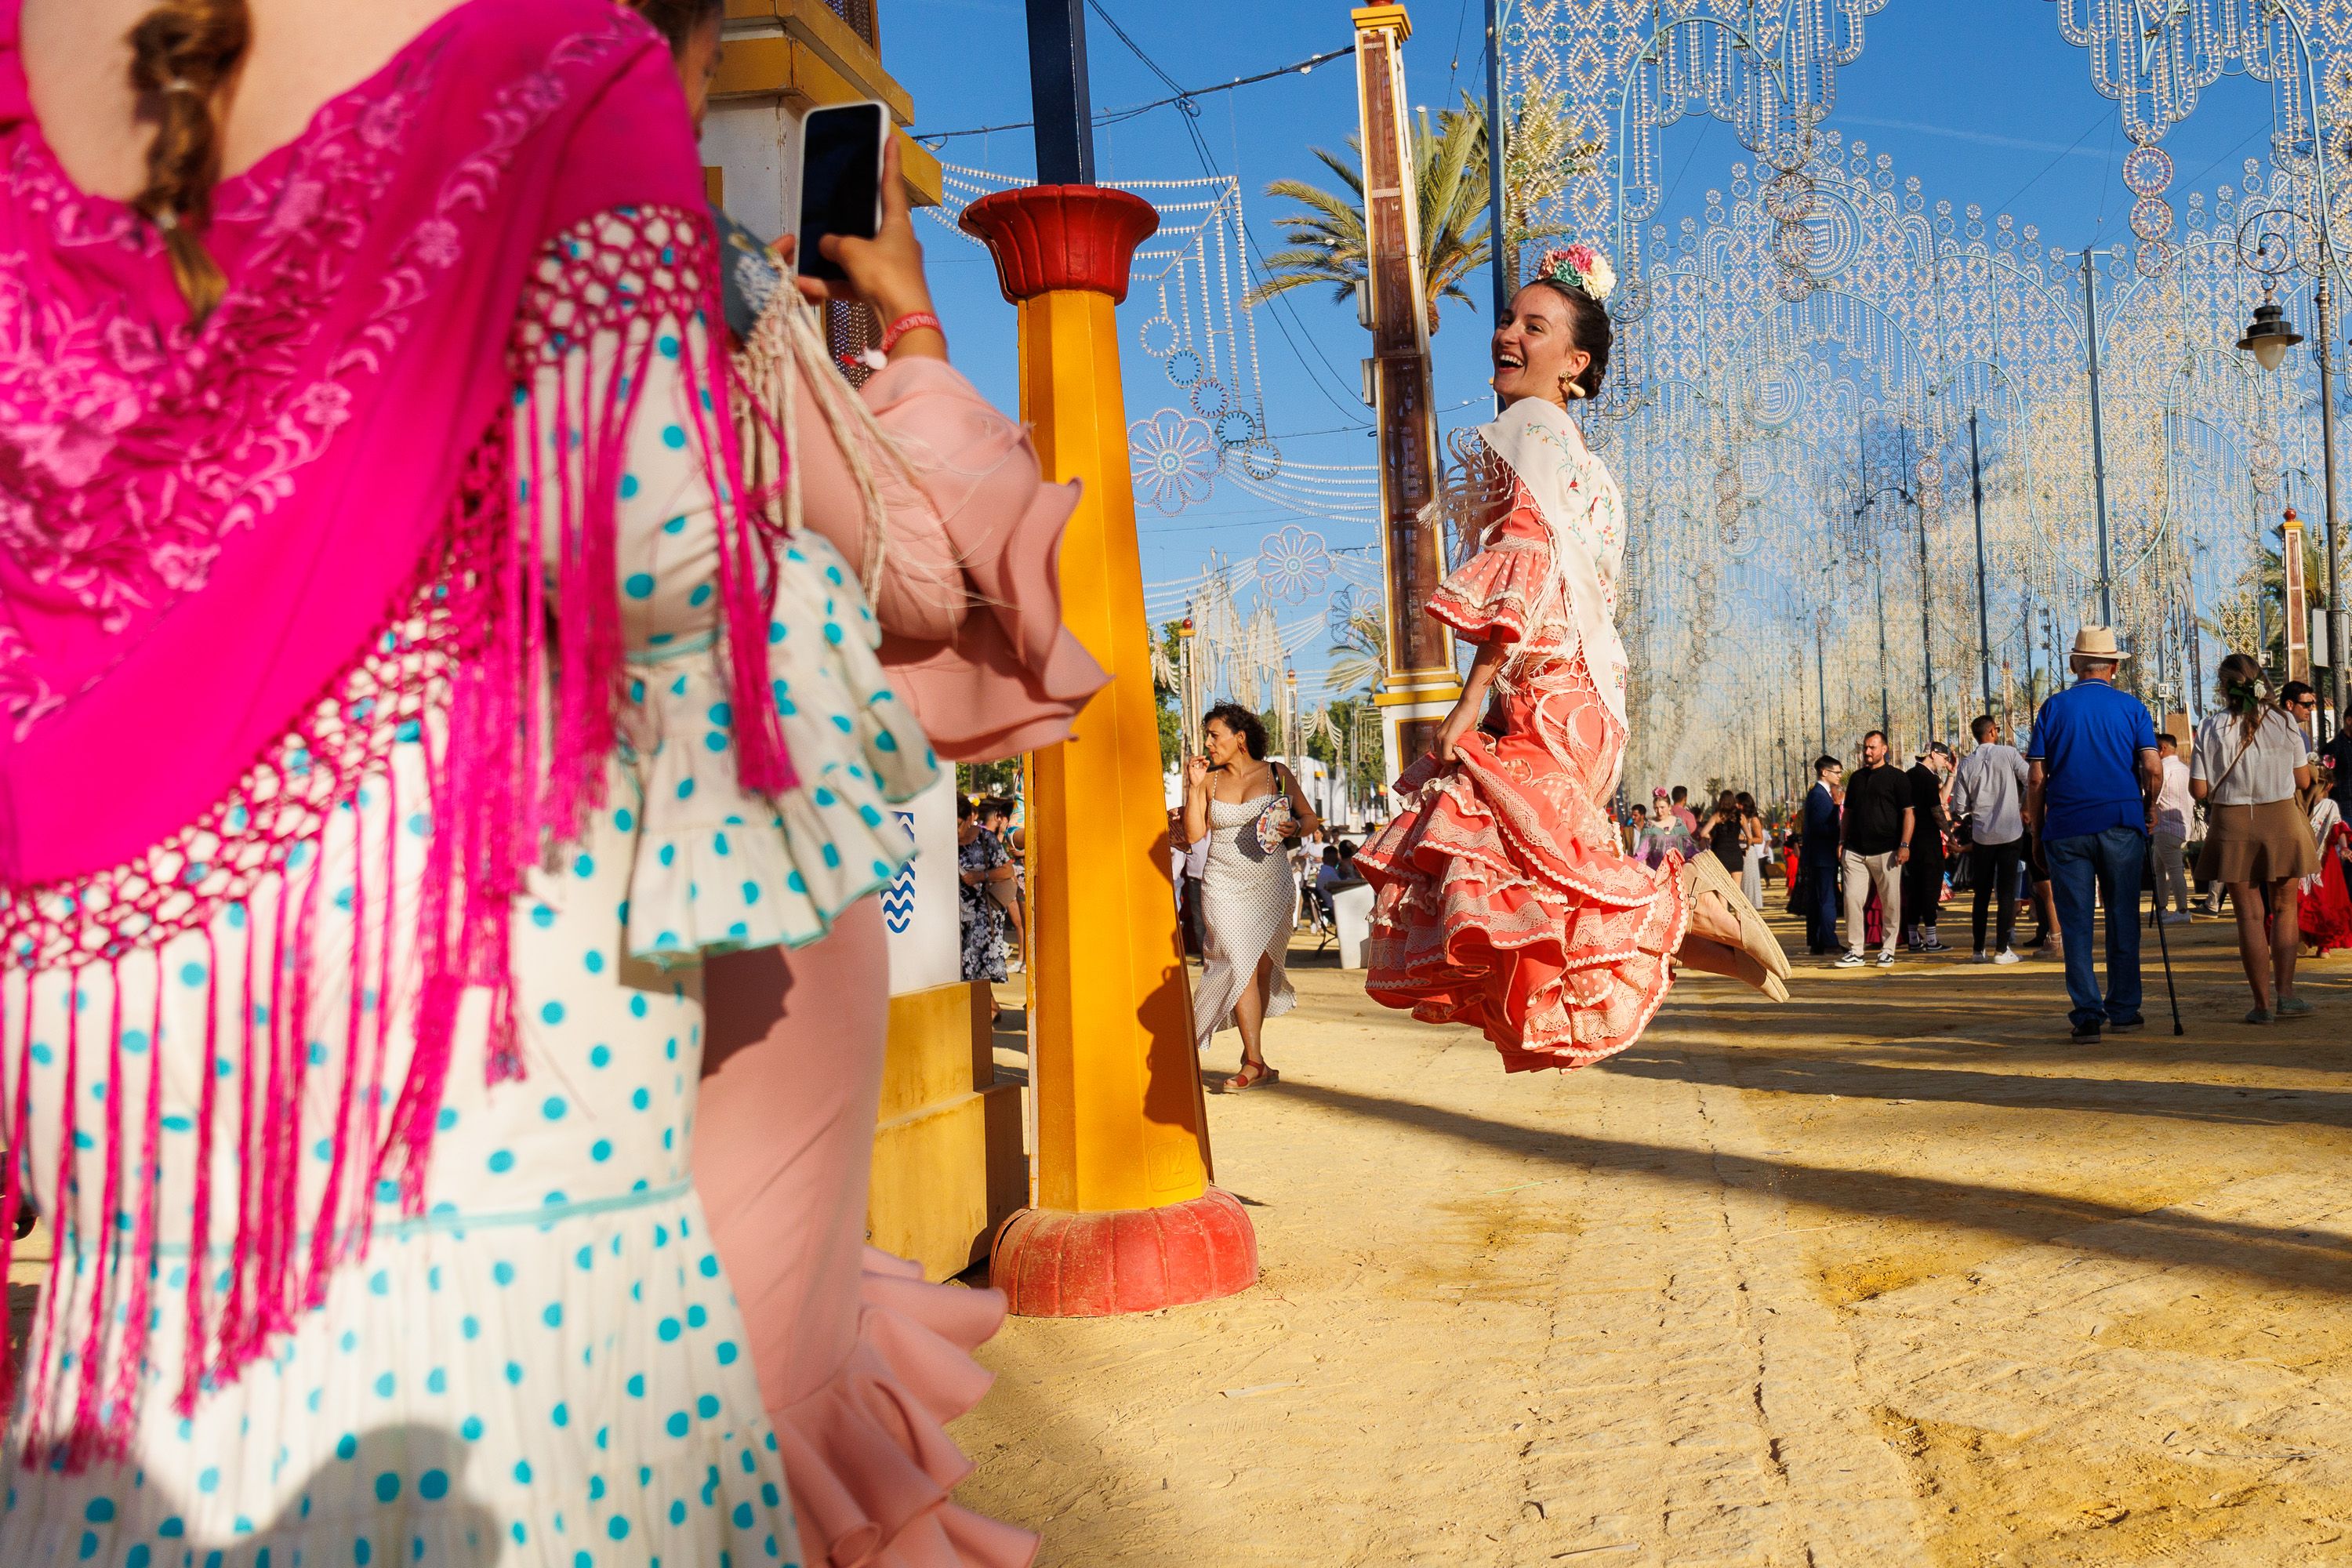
(183, 55)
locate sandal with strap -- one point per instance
(1725, 959)
(1252, 1075)
(1756, 938)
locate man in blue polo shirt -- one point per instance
(2091, 787)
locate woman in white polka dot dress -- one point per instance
(377, 1239)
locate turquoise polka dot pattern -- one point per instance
(700, 889)
(490, 1385)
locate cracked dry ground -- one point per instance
(1892, 1275)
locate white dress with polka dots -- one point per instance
(548, 1368)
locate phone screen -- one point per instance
(840, 180)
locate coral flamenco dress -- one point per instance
(1504, 898)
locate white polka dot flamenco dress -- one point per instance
(548, 1367)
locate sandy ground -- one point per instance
(1892, 1275)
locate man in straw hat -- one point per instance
(2091, 787)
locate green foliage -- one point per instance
(989, 778)
(1359, 651)
(1172, 726)
(1352, 716)
(1325, 240)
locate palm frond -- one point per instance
(1335, 212)
(1324, 236)
(1350, 173)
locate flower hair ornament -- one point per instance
(1580, 267)
(1586, 271)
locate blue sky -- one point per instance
(1981, 99)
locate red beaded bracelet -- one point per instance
(914, 321)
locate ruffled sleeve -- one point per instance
(964, 554)
(870, 1462)
(1499, 593)
(716, 868)
(719, 869)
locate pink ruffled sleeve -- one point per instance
(970, 599)
(1497, 594)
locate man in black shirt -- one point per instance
(1876, 843)
(1923, 874)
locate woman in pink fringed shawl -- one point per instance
(400, 697)
(934, 499)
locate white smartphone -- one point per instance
(841, 179)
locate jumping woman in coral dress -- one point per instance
(1505, 900)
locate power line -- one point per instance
(1133, 47)
(2008, 201)
(1181, 96)
(1364, 427)
(1209, 163)
(1461, 25)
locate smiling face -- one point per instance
(1224, 747)
(1534, 348)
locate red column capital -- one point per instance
(1061, 237)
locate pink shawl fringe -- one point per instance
(515, 764)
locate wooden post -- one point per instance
(1418, 685)
(2296, 598)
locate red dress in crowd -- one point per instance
(2326, 914)
(1504, 898)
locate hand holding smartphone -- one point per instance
(856, 238)
(842, 147)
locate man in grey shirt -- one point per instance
(1988, 793)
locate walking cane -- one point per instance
(2163, 943)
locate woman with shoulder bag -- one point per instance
(2250, 765)
(1248, 809)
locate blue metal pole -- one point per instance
(1061, 105)
(1497, 227)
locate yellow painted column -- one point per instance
(1125, 1217)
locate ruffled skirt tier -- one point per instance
(1503, 901)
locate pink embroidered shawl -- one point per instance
(239, 561)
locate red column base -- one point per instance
(1050, 1263)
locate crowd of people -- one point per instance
(2095, 806)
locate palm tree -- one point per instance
(1325, 242)
(1358, 652)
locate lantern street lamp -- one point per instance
(2270, 336)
